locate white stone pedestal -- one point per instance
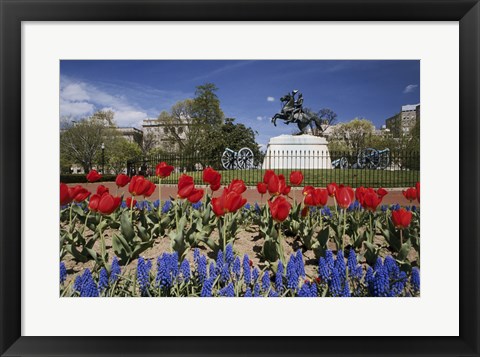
(297, 152)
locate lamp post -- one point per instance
(103, 158)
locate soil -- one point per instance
(248, 241)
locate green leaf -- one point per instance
(76, 254)
(121, 247)
(371, 253)
(126, 226)
(404, 250)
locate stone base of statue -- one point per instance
(298, 152)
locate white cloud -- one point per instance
(259, 118)
(76, 109)
(80, 99)
(74, 92)
(270, 99)
(129, 116)
(410, 88)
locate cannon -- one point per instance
(368, 158)
(232, 160)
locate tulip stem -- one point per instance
(344, 226)
(371, 229)
(401, 238)
(280, 245)
(71, 208)
(86, 219)
(131, 209)
(224, 232)
(321, 220)
(159, 196)
(102, 240)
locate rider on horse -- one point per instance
(291, 105)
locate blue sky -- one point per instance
(248, 90)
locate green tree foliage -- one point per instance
(197, 128)
(206, 106)
(118, 151)
(352, 136)
(81, 142)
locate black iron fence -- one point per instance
(369, 167)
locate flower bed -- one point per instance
(358, 247)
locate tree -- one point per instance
(352, 136)
(328, 117)
(196, 128)
(118, 151)
(148, 143)
(81, 141)
(237, 136)
(206, 106)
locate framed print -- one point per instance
(208, 150)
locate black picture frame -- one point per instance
(13, 12)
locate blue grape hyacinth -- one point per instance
(143, 275)
(115, 270)
(185, 270)
(415, 279)
(63, 273)
(102, 280)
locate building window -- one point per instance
(180, 130)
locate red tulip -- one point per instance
(101, 189)
(163, 170)
(331, 188)
(344, 196)
(261, 188)
(128, 202)
(382, 192)
(150, 190)
(93, 203)
(212, 177)
(280, 208)
(410, 194)
(316, 197)
(65, 198)
(108, 204)
(268, 174)
(283, 188)
(185, 186)
(371, 200)
(417, 186)
(139, 185)
(273, 185)
(237, 186)
(215, 186)
(307, 189)
(122, 180)
(401, 218)
(296, 178)
(360, 193)
(93, 176)
(229, 201)
(196, 195)
(78, 193)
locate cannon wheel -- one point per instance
(245, 158)
(368, 159)
(343, 163)
(384, 160)
(229, 161)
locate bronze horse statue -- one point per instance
(292, 112)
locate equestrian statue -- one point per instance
(292, 112)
